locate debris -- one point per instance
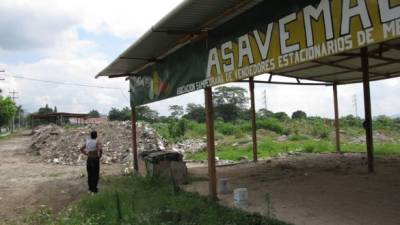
(60, 145)
(189, 146)
(283, 138)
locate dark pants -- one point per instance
(93, 169)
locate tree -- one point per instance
(195, 112)
(45, 110)
(7, 110)
(94, 113)
(281, 116)
(264, 113)
(228, 102)
(146, 114)
(176, 111)
(299, 115)
(351, 120)
(114, 114)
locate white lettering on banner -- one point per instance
(310, 12)
(284, 35)
(227, 46)
(245, 49)
(348, 12)
(330, 27)
(391, 29)
(387, 14)
(213, 61)
(264, 47)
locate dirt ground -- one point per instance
(27, 185)
(327, 189)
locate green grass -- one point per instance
(269, 148)
(136, 200)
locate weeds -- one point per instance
(147, 201)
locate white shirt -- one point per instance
(91, 145)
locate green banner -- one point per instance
(266, 39)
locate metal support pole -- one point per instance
(134, 141)
(210, 144)
(253, 118)
(367, 107)
(337, 124)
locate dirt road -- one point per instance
(316, 189)
(26, 184)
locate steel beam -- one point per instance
(212, 172)
(253, 118)
(367, 107)
(284, 83)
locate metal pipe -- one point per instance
(285, 83)
(134, 141)
(367, 107)
(210, 144)
(253, 118)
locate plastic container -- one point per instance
(241, 197)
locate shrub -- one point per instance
(225, 128)
(299, 115)
(271, 124)
(309, 147)
(297, 137)
(177, 128)
(196, 129)
(320, 129)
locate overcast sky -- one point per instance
(71, 41)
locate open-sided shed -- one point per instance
(206, 43)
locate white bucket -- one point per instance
(241, 197)
(223, 186)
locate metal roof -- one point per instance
(63, 114)
(190, 20)
(193, 19)
(345, 68)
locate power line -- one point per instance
(12, 95)
(66, 83)
(60, 82)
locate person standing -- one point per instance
(93, 150)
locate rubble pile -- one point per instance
(190, 146)
(60, 145)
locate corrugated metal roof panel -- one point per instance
(191, 17)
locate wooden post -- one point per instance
(253, 118)
(134, 141)
(210, 144)
(337, 125)
(367, 107)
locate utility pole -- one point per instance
(1, 71)
(13, 96)
(355, 104)
(265, 99)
